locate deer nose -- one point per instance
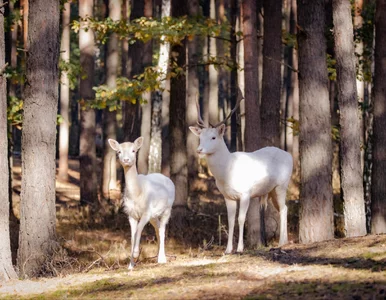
(126, 160)
(199, 150)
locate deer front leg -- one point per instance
(244, 204)
(133, 229)
(141, 224)
(231, 209)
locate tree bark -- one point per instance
(157, 143)
(143, 154)
(87, 147)
(64, 96)
(193, 94)
(378, 188)
(177, 127)
(316, 212)
(6, 269)
(132, 111)
(252, 109)
(109, 175)
(37, 199)
(351, 170)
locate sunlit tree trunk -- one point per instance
(87, 147)
(351, 170)
(6, 269)
(316, 212)
(64, 95)
(159, 104)
(37, 198)
(252, 110)
(378, 188)
(109, 175)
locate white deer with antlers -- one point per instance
(147, 198)
(241, 176)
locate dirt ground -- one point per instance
(92, 262)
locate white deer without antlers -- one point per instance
(241, 176)
(147, 198)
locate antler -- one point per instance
(239, 98)
(200, 121)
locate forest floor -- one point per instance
(92, 260)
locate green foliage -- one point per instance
(167, 29)
(331, 62)
(73, 70)
(126, 90)
(15, 111)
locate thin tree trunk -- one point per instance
(351, 171)
(6, 269)
(132, 111)
(143, 155)
(64, 96)
(193, 94)
(158, 122)
(213, 74)
(37, 199)
(316, 212)
(252, 109)
(87, 147)
(109, 175)
(233, 76)
(378, 188)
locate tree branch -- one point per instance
(282, 63)
(4, 4)
(2, 69)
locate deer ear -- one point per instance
(114, 144)
(195, 130)
(221, 129)
(138, 142)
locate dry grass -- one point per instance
(92, 262)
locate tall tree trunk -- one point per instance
(87, 147)
(234, 76)
(252, 110)
(351, 170)
(6, 269)
(143, 155)
(157, 143)
(37, 199)
(132, 111)
(271, 91)
(378, 188)
(271, 87)
(64, 95)
(293, 94)
(316, 212)
(178, 152)
(213, 74)
(193, 94)
(109, 175)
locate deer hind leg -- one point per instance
(244, 204)
(231, 209)
(278, 200)
(161, 237)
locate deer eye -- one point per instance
(119, 152)
(133, 151)
(213, 138)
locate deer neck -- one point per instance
(219, 160)
(131, 180)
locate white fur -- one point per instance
(147, 198)
(241, 176)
